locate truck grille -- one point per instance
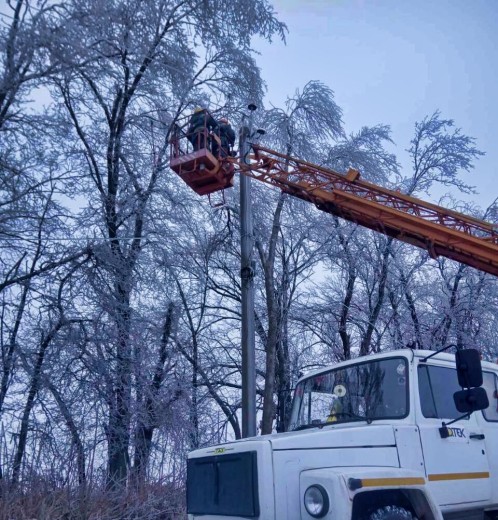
(224, 485)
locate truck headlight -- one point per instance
(316, 501)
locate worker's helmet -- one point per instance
(198, 109)
(224, 120)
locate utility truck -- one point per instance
(406, 434)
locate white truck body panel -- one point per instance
(442, 476)
(326, 449)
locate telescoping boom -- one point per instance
(440, 231)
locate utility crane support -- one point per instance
(440, 231)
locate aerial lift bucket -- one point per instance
(202, 170)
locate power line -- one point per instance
(72, 239)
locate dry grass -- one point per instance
(153, 502)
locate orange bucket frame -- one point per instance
(199, 160)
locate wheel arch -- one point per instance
(365, 503)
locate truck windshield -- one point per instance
(362, 392)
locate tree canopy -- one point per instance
(120, 289)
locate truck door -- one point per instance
(456, 467)
(488, 420)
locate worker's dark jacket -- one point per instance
(227, 136)
(201, 123)
(201, 120)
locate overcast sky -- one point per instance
(394, 62)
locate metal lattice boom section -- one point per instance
(442, 232)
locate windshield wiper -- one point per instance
(339, 420)
(307, 426)
(348, 415)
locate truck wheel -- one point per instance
(391, 513)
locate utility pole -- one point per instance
(247, 286)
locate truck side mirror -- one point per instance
(471, 400)
(468, 365)
(474, 397)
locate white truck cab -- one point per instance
(388, 436)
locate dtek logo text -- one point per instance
(457, 432)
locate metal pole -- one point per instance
(247, 287)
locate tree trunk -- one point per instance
(283, 376)
(33, 390)
(343, 321)
(75, 436)
(147, 422)
(8, 357)
(119, 413)
(413, 311)
(274, 332)
(374, 314)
